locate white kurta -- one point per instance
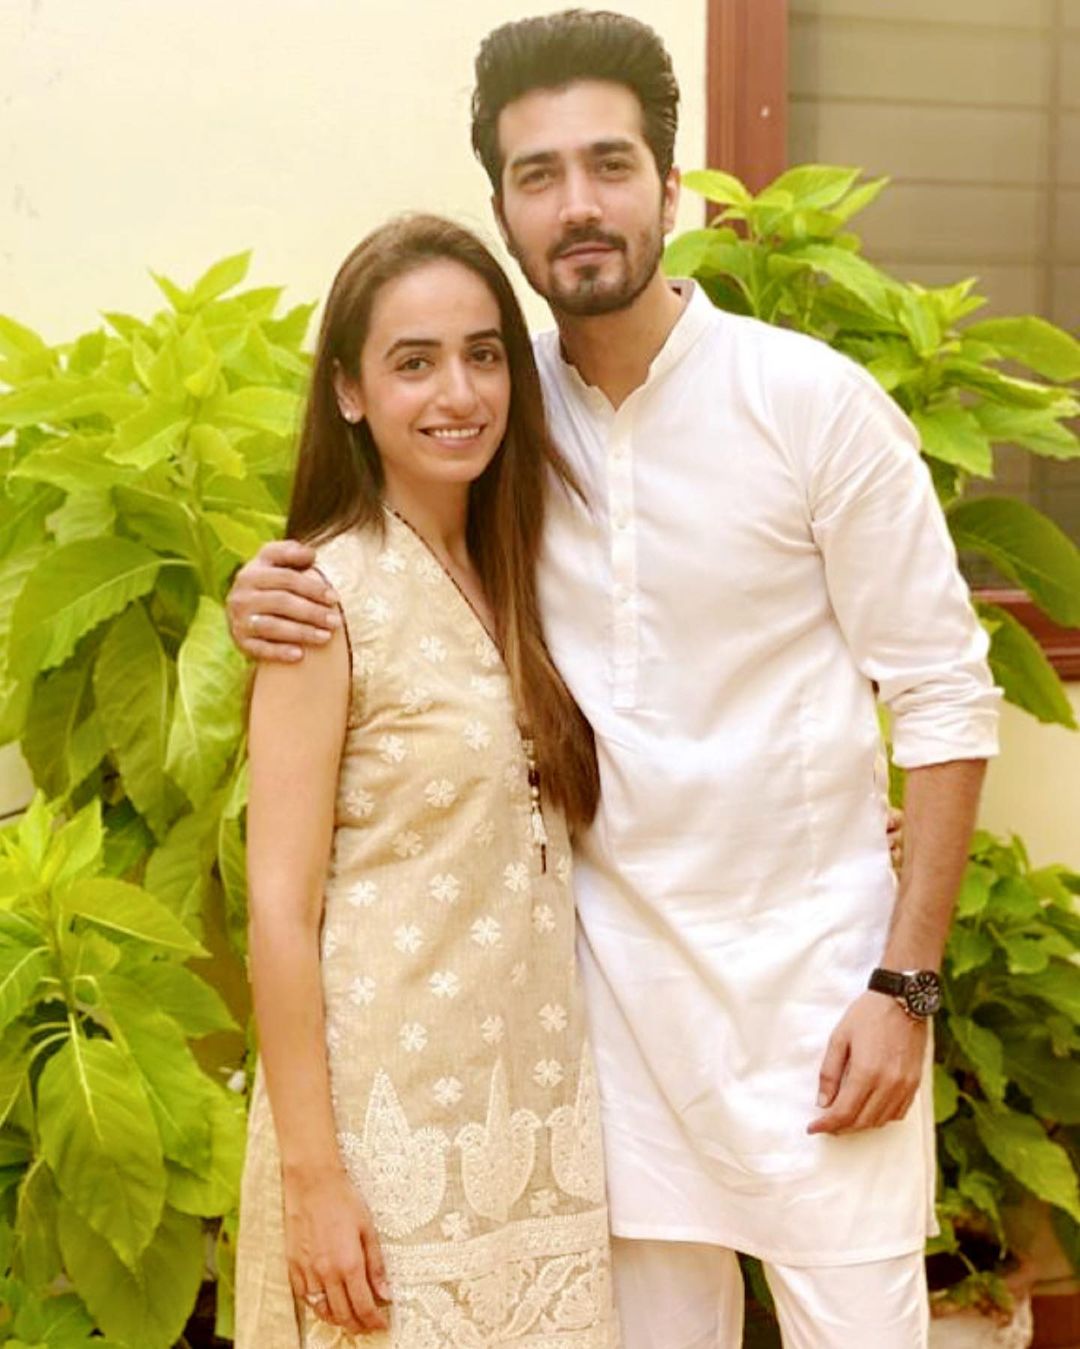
(761, 543)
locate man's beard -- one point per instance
(588, 296)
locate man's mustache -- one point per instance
(589, 235)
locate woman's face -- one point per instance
(434, 384)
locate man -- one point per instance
(759, 547)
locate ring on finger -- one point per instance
(315, 1300)
(253, 623)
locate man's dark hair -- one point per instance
(554, 50)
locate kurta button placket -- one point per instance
(623, 556)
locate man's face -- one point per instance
(581, 203)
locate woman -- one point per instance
(424, 1160)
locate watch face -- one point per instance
(923, 993)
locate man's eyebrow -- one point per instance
(533, 158)
(612, 147)
(428, 343)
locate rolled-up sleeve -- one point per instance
(893, 580)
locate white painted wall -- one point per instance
(137, 133)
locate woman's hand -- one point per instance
(335, 1263)
(279, 604)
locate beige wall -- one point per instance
(139, 133)
(1033, 789)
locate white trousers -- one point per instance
(680, 1295)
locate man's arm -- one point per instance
(874, 1059)
(903, 608)
(279, 604)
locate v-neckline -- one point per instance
(396, 515)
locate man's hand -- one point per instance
(872, 1067)
(279, 604)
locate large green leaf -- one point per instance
(1049, 1080)
(164, 522)
(715, 185)
(218, 1190)
(1042, 347)
(56, 710)
(174, 1083)
(1027, 547)
(101, 1142)
(1059, 986)
(178, 872)
(983, 1051)
(150, 436)
(71, 591)
(946, 1095)
(145, 1307)
(1037, 429)
(75, 463)
(208, 712)
(1022, 671)
(15, 1054)
(1019, 1144)
(133, 689)
(65, 399)
(952, 434)
(130, 912)
(196, 1006)
(37, 1254)
(814, 186)
(220, 277)
(24, 962)
(262, 408)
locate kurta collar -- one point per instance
(697, 316)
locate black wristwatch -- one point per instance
(917, 991)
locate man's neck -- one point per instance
(613, 352)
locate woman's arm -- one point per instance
(297, 728)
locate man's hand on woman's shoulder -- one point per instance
(279, 603)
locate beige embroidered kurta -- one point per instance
(462, 1085)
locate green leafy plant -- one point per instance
(1007, 1098)
(115, 1143)
(786, 256)
(140, 465)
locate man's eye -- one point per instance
(612, 166)
(535, 177)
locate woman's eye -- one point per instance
(413, 363)
(487, 355)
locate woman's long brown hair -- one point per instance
(339, 485)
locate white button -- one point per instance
(622, 594)
(621, 520)
(618, 451)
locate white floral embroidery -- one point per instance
(416, 699)
(359, 802)
(329, 942)
(445, 984)
(477, 735)
(391, 748)
(408, 938)
(432, 649)
(455, 1227)
(513, 779)
(497, 1157)
(413, 1037)
(376, 609)
(562, 870)
(400, 1171)
(543, 1203)
(428, 569)
(408, 844)
(486, 932)
(491, 1029)
(543, 918)
(576, 1144)
(484, 833)
(391, 562)
(445, 888)
(487, 686)
(362, 991)
(447, 1091)
(440, 792)
(553, 1016)
(365, 662)
(486, 652)
(362, 894)
(516, 877)
(518, 974)
(333, 1037)
(547, 1072)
